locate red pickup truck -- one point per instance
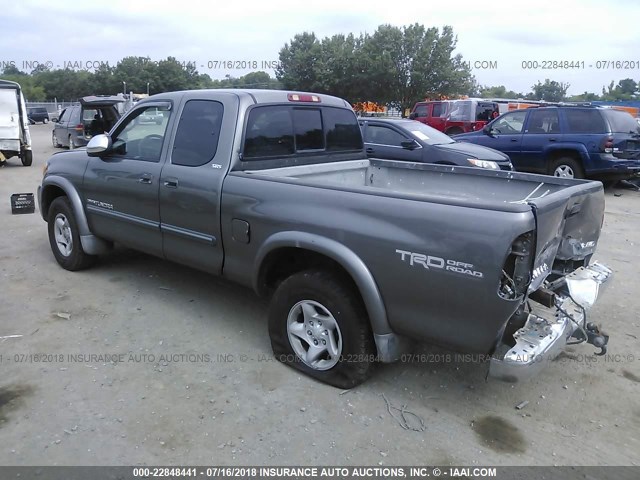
(455, 116)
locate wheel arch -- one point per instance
(54, 187)
(308, 250)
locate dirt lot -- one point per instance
(196, 384)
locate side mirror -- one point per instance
(409, 144)
(487, 130)
(413, 115)
(98, 145)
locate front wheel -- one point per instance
(64, 237)
(54, 139)
(318, 325)
(566, 167)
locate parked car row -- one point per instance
(564, 141)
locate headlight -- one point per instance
(483, 163)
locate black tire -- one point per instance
(343, 302)
(76, 259)
(46, 120)
(454, 131)
(569, 165)
(27, 158)
(54, 140)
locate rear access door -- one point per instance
(191, 180)
(9, 120)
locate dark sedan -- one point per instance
(409, 140)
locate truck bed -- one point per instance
(495, 190)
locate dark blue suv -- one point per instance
(566, 141)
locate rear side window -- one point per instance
(585, 121)
(543, 121)
(343, 132)
(438, 110)
(198, 132)
(621, 122)
(282, 130)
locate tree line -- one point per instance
(394, 66)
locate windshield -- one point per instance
(428, 135)
(621, 122)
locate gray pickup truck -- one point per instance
(360, 256)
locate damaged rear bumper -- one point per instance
(546, 332)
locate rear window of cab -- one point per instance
(284, 130)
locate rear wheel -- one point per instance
(566, 167)
(46, 120)
(27, 158)
(64, 237)
(318, 325)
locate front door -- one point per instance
(385, 142)
(121, 188)
(191, 182)
(506, 136)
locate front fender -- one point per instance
(389, 344)
(91, 244)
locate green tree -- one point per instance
(550, 90)
(499, 91)
(299, 64)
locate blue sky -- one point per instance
(503, 32)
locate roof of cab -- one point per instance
(260, 96)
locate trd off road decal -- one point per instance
(98, 203)
(429, 261)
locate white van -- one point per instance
(15, 140)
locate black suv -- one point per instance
(566, 141)
(37, 114)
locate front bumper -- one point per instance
(546, 332)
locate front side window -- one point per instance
(196, 140)
(509, 123)
(380, 135)
(62, 116)
(140, 141)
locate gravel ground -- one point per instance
(195, 382)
